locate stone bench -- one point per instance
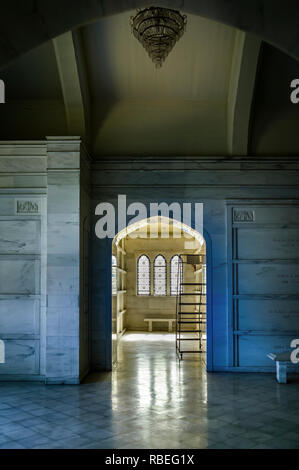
(151, 320)
(283, 360)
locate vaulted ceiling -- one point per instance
(140, 110)
(218, 93)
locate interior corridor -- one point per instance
(150, 400)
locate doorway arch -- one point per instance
(205, 240)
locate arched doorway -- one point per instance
(145, 260)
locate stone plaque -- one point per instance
(243, 215)
(263, 243)
(268, 279)
(27, 206)
(268, 314)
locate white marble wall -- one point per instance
(63, 261)
(85, 228)
(40, 260)
(264, 307)
(44, 255)
(23, 186)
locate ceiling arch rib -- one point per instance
(241, 90)
(70, 84)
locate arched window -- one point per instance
(160, 275)
(114, 275)
(174, 271)
(143, 276)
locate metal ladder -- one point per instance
(187, 318)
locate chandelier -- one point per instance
(158, 29)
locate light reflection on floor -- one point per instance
(150, 362)
(152, 401)
(176, 404)
(150, 337)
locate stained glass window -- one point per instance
(174, 271)
(114, 275)
(160, 275)
(143, 276)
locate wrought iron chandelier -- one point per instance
(158, 29)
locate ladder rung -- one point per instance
(190, 331)
(194, 322)
(191, 303)
(203, 320)
(192, 284)
(189, 293)
(187, 339)
(182, 303)
(190, 313)
(193, 352)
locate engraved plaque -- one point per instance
(27, 206)
(243, 215)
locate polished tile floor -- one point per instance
(150, 401)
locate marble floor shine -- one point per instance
(152, 401)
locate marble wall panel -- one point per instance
(21, 357)
(21, 164)
(19, 276)
(62, 357)
(63, 233)
(271, 243)
(268, 315)
(253, 350)
(62, 321)
(63, 279)
(12, 181)
(59, 160)
(264, 278)
(63, 199)
(20, 236)
(19, 316)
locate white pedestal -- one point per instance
(281, 372)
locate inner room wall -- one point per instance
(119, 288)
(140, 307)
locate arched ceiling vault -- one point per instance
(27, 24)
(115, 99)
(213, 111)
